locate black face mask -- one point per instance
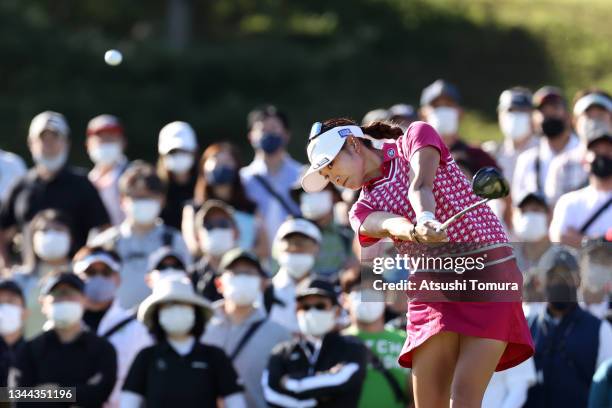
(561, 296)
(601, 166)
(553, 127)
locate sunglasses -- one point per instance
(106, 272)
(315, 131)
(317, 306)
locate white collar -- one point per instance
(182, 347)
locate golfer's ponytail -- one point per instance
(382, 130)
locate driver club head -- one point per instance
(489, 183)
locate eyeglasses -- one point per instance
(318, 306)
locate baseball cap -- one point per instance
(547, 94)
(532, 196)
(403, 110)
(157, 256)
(48, 120)
(437, 89)
(298, 226)
(515, 98)
(317, 286)
(11, 286)
(323, 147)
(592, 99)
(238, 254)
(104, 123)
(210, 205)
(177, 135)
(558, 256)
(102, 256)
(375, 115)
(67, 278)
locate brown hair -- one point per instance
(203, 191)
(377, 130)
(141, 172)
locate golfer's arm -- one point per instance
(381, 224)
(424, 163)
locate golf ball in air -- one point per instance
(113, 57)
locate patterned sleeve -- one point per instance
(357, 215)
(419, 135)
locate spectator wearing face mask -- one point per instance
(587, 212)
(51, 184)
(49, 241)
(530, 221)
(67, 355)
(142, 197)
(177, 148)
(441, 108)
(12, 168)
(12, 315)
(217, 233)
(105, 145)
(297, 244)
(272, 173)
(551, 121)
(240, 325)
(164, 263)
(596, 278)
(570, 342)
(321, 367)
(592, 117)
(218, 179)
(99, 270)
(386, 383)
(178, 370)
(336, 248)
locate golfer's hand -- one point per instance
(428, 232)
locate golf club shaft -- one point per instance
(460, 214)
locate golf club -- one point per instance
(488, 183)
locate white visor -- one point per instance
(82, 265)
(322, 150)
(589, 100)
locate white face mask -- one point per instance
(51, 163)
(178, 163)
(530, 226)
(296, 265)
(177, 319)
(10, 318)
(315, 206)
(51, 245)
(243, 290)
(106, 153)
(445, 120)
(316, 322)
(515, 125)
(65, 314)
(367, 307)
(143, 211)
(217, 241)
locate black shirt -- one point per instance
(88, 363)
(295, 360)
(176, 198)
(8, 354)
(70, 191)
(92, 319)
(166, 379)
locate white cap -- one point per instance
(591, 99)
(322, 149)
(48, 120)
(177, 135)
(299, 226)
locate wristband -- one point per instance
(425, 216)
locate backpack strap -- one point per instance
(245, 338)
(378, 365)
(264, 183)
(595, 216)
(118, 326)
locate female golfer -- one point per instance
(408, 186)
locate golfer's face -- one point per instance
(346, 170)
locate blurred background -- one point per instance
(209, 62)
